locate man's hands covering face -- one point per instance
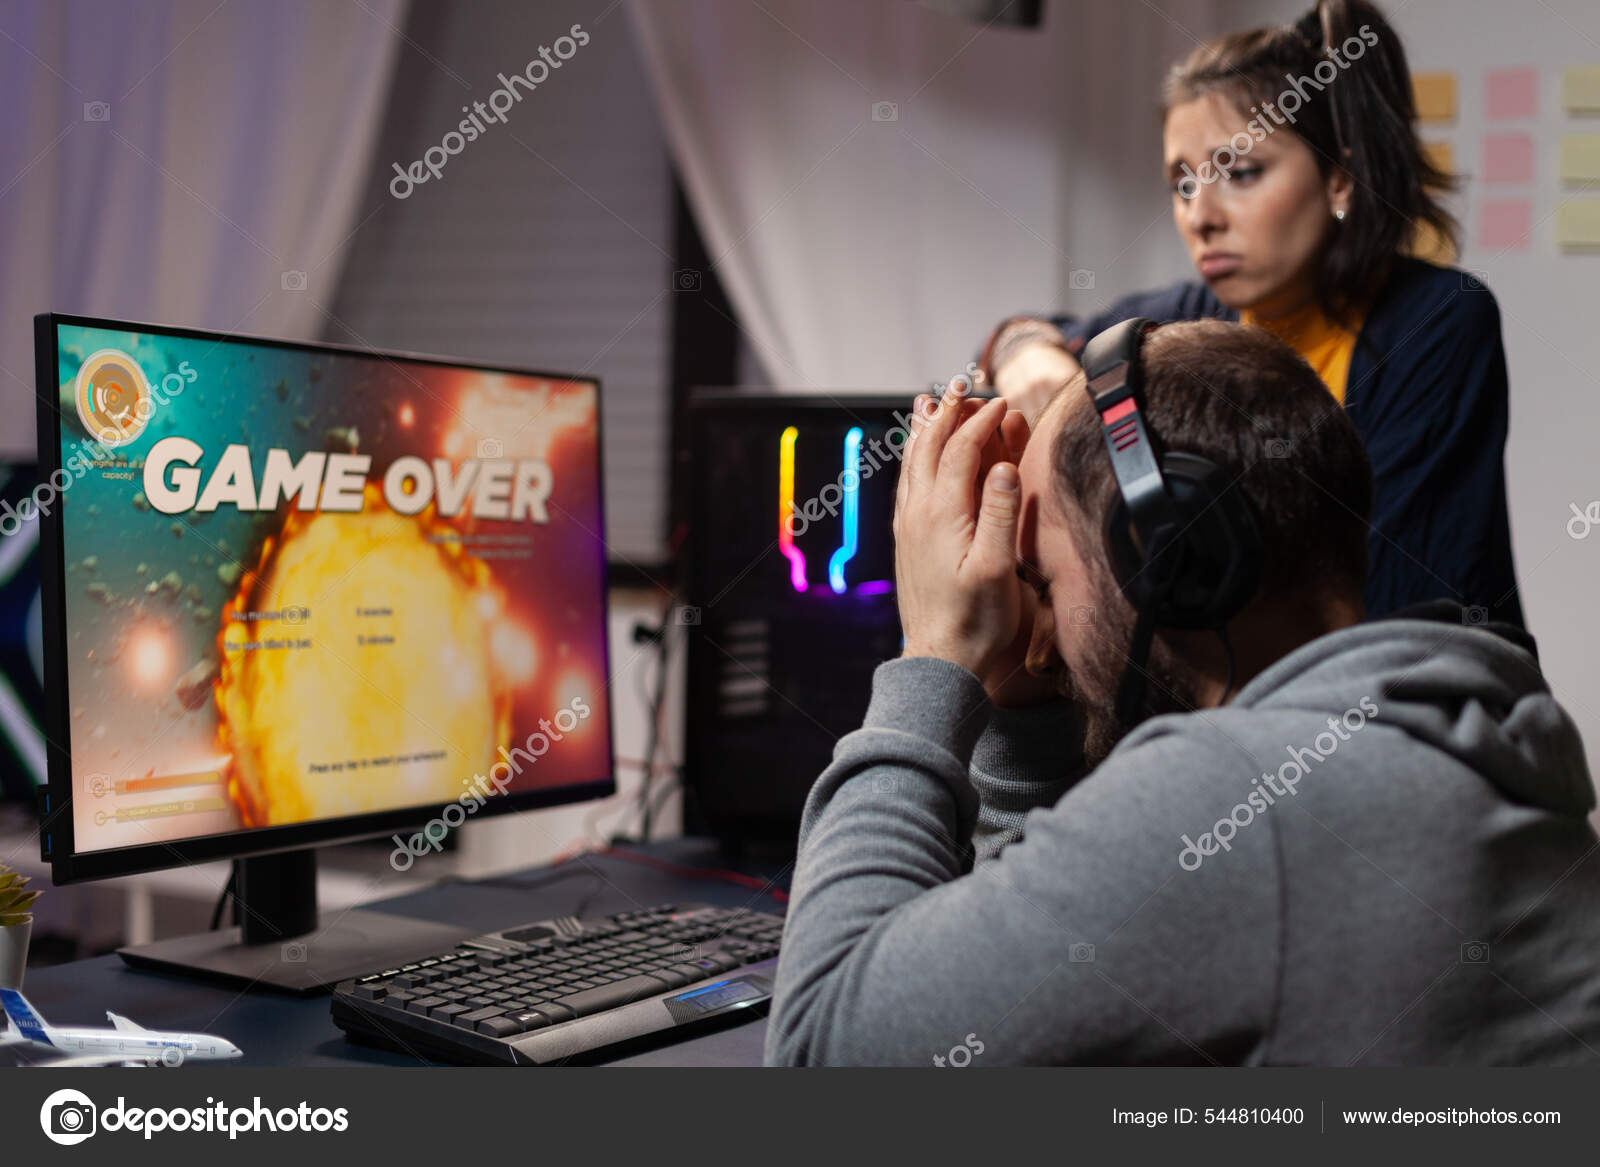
(955, 524)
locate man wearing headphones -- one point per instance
(1257, 829)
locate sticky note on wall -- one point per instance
(1580, 89)
(1508, 158)
(1578, 225)
(1580, 158)
(1506, 224)
(1442, 154)
(1510, 93)
(1435, 95)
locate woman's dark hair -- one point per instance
(1363, 120)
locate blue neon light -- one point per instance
(851, 481)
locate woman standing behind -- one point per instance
(1300, 188)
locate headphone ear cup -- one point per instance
(1219, 541)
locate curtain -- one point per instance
(878, 182)
(181, 162)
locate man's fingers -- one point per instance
(963, 453)
(994, 545)
(903, 481)
(933, 432)
(1014, 435)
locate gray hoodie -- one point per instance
(1377, 854)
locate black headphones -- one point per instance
(1182, 542)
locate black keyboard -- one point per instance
(563, 990)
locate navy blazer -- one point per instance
(1427, 392)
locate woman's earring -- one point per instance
(1339, 214)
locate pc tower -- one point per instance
(790, 596)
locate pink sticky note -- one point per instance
(1508, 158)
(1505, 223)
(1511, 93)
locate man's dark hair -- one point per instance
(1239, 396)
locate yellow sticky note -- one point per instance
(1442, 154)
(1580, 89)
(1580, 158)
(1578, 225)
(1435, 95)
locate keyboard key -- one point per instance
(674, 979)
(372, 992)
(470, 1020)
(423, 1005)
(447, 1012)
(610, 996)
(499, 1027)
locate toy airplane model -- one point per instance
(127, 1043)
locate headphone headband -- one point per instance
(1116, 388)
(1181, 541)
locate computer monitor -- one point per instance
(790, 591)
(296, 594)
(22, 755)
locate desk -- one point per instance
(278, 1030)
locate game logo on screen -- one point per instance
(308, 584)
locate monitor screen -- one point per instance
(308, 592)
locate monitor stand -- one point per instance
(283, 944)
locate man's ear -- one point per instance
(1042, 652)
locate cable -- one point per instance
(227, 893)
(674, 783)
(661, 634)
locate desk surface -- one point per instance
(278, 1030)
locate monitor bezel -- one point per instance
(57, 841)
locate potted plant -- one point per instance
(16, 924)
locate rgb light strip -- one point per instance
(851, 481)
(797, 560)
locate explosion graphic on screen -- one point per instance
(342, 730)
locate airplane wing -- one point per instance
(123, 1024)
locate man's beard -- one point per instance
(1093, 684)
